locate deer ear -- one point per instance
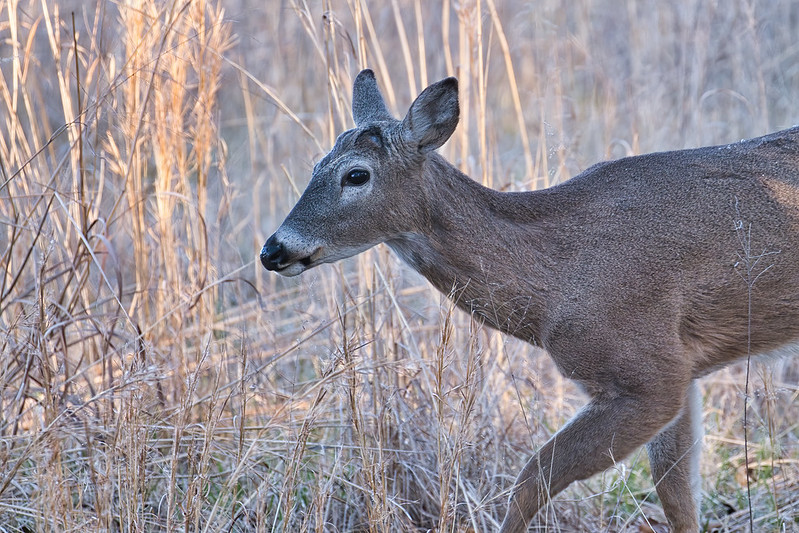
(367, 102)
(433, 116)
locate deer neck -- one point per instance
(482, 248)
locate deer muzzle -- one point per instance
(283, 258)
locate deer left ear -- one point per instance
(368, 105)
(433, 116)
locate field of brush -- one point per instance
(153, 377)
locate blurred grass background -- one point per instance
(153, 377)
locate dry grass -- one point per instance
(153, 378)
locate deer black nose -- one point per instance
(272, 253)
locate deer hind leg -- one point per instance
(674, 458)
(606, 430)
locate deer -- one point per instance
(638, 276)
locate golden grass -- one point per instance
(153, 377)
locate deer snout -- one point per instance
(287, 255)
(273, 254)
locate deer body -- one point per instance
(539, 264)
(637, 276)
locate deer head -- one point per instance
(367, 189)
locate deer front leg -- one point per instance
(605, 431)
(674, 458)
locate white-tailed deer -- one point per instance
(638, 276)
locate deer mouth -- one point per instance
(294, 267)
(288, 266)
(278, 257)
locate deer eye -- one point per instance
(355, 177)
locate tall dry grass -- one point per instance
(152, 377)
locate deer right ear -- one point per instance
(367, 102)
(433, 116)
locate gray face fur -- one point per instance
(351, 202)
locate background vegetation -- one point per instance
(154, 377)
